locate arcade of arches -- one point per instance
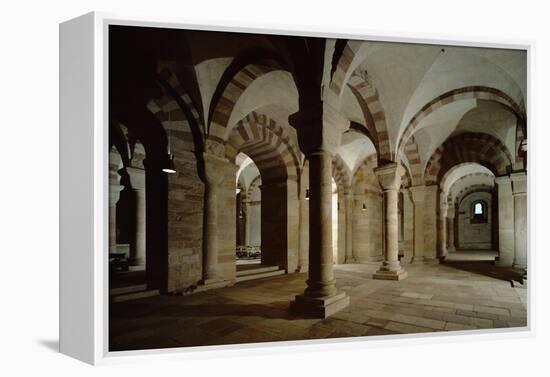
(322, 175)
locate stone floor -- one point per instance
(467, 292)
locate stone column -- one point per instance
(519, 187)
(442, 227)
(390, 180)
(246, 204)
(451, 229)
(213, 176)
(348, 198)
(115, 163)
(303, 261)
(505, 222)
(319, 133)
(417, 194)
(137, 247)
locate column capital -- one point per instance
(214, 147)
(114, 193)
(389, 176)
(137, 177)
(319, 128)
(418, 193)
(519, 183)
(213, 171)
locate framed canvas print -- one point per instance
(232, 186)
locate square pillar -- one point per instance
(451, 229)
(214, 177)
(505, 222)
(431, 206)
(348, 198)
(519, 192)
(418, 194)
(408, 226)
(442, 227)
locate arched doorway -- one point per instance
(267, 203)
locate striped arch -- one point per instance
(340, 73)
(174, 122)
(364, 174)
(468, 176)
(340, 173)
(267, 144)
(468, 92)
(223, 107)
(118, 138)
(166, 76)
(413, 156)
(467, 191)
(480, 148)
(256, 182)
(447, 174)
(363, 88)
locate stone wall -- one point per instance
(185, 222)
(227, 227)
(408, 226)
(431, 205)
(367, 227)
(254, 217)
(473, 235)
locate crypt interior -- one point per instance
(266, 188)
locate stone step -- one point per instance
(259, 275)
(134, 295)
(257, 270)
(128, 289)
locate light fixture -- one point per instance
(364, 208)
(169, 167)
(237, 191)
(307, 194)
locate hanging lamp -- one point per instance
(169, 168)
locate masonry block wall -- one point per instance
(185, 219)
(474, 235)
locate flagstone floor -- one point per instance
(467, 292)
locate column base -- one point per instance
(390, 270)
(319, 307)
(350, 260)
(390, 275)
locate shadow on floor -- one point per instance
(52, 345)
(487, 268)
(135, 310)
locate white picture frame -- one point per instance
(84, 190)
